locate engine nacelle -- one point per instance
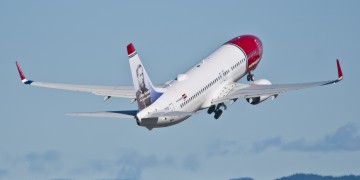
(138, 121)
(257, 100)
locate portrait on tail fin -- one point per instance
(143, 93)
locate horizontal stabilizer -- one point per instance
(111, 114)
(168, 113)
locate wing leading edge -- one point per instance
(253, 90)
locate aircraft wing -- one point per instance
(113, 91)
(254, 90)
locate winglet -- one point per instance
(340, 75)
(22, 76)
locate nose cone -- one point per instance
(251, 46)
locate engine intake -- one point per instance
(259, 99)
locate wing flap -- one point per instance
(114, 91)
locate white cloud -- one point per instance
(263, 145)
(128, 164)
(345, 138)
(191, 162)
(42, 162)
(222, 148)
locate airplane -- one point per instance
(209, 84)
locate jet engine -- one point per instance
(259, 99)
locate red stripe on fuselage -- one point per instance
(252, 47)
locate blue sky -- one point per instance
(311, 131)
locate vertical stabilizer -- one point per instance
(146, 93)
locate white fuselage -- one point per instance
(195, 89)
(208, 84)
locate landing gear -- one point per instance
(221, 105)
(217, 110)
(218, 113)
(250, 77)
(211, 109)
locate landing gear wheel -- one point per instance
(221, 105)
(250, 77)
(211, 109)
(218, 114)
